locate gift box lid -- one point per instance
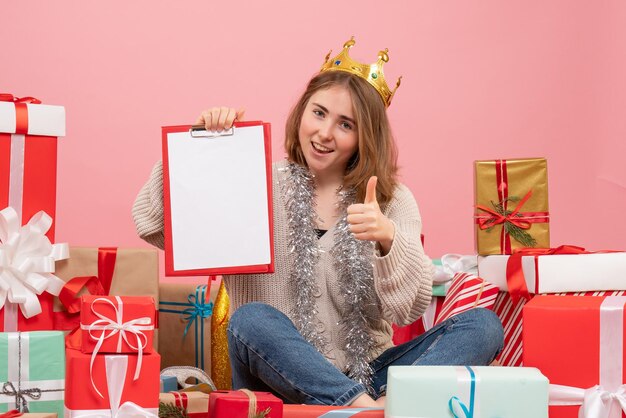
(45, 120)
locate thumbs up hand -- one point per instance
(367, 222)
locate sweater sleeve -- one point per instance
(403, 277)
(148, 208)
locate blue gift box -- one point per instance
(466, 392)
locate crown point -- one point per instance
(383, 55)
(350, 43)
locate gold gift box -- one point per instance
(178, 348)
(515, 178)
(136, 273)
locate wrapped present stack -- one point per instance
(576, 342)
(118, 368)
(41, 283)
(32, 355)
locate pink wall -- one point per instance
(482, 79)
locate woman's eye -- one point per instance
(318, 112)
(346, 125)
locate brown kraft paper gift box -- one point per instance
(182, 307)
(116, 272)
(511, 205)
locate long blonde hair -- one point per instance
(376, 154)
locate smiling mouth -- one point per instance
(320, 148)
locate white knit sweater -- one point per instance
(402, 278)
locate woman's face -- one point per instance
(328, 132)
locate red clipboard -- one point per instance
(211, 227)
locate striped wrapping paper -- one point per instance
(511, 316)
(466, 292)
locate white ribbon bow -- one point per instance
(27, 261)
(117, 326)
(116, 367)
(596, 402)
(452, 264)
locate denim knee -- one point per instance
(488, 329)
(254, 320)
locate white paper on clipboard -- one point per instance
(219, 200)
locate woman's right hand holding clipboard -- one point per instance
(220, 118)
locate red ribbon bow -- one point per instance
(96, 285)
(498, 218)
(21, 110)
(8, 97)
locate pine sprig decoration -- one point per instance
(517, 233)
(168, 410)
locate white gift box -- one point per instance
(557, 273)
(46, 120)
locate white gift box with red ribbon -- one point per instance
(557, 273)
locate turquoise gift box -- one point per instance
(32, 371)
(466, 392)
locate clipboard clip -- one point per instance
(199, 131)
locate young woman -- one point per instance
(348, 256)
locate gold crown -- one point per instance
(373, 73)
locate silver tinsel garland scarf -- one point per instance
(353, 260)
(300, 195)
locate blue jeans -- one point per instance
(267, 353)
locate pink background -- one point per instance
(482, 80)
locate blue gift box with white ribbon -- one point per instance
(466, 392)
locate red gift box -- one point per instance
(510, 313)
(319, 411)
(117, 324)
(579, 342)
(28, 164)
(237, 404)
(115, 381)
(28, 155)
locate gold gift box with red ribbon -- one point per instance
(511, 205)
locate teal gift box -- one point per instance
(466, 392)
(32, 371)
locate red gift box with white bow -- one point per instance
(28, 174)
(117, 324)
